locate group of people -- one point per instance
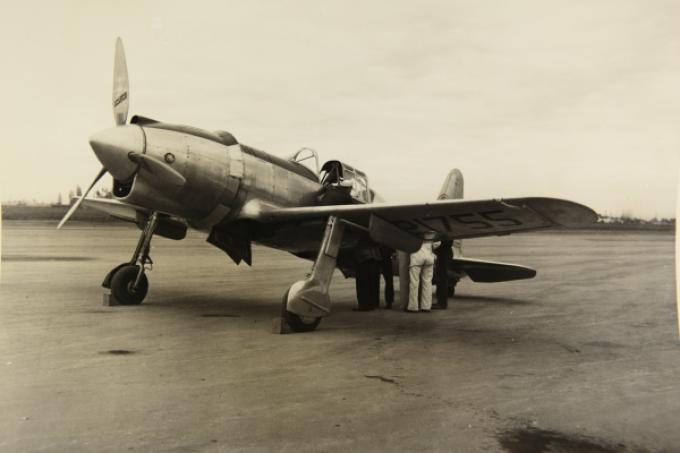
(431, 260)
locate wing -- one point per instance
(115, 208)
(451, 219)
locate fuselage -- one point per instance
(222, 177)
(221, 174)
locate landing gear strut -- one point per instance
(128, 282)
(307, 301)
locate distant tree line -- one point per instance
(627, 219)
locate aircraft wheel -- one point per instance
(121, 285)
(296, 322)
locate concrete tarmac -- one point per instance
(585, 357)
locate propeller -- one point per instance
(121, 149)
(121, 104)
(75, 206)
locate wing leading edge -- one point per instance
(115, 208)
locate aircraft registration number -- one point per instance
(471, 220)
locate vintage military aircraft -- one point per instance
(169, 177)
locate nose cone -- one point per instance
(112, 147)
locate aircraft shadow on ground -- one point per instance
(461, 299)
(440, 327)
(214, 305)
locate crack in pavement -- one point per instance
(381, 378)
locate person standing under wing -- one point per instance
(420, 278)
(367, 259)
(441, 266)
(452, 189)
(388, 275)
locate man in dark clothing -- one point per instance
(444, 255)
(367, 259)
(388, 275)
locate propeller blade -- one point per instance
(163, 173)
(121, 95)
(80, 200)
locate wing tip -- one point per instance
(566, 213)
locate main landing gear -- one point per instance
(127, 281)
(307, 301)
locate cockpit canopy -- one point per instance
(338, 174)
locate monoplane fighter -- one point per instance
(169, 177)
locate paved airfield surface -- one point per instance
(585, 357)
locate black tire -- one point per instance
(297, 323)
(121, 286)
(451, 290)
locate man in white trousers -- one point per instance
(420, 278)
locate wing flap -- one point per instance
(392, 236)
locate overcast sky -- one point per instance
(570, 99)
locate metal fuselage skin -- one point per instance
(223, 176)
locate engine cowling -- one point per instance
(211, 170)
